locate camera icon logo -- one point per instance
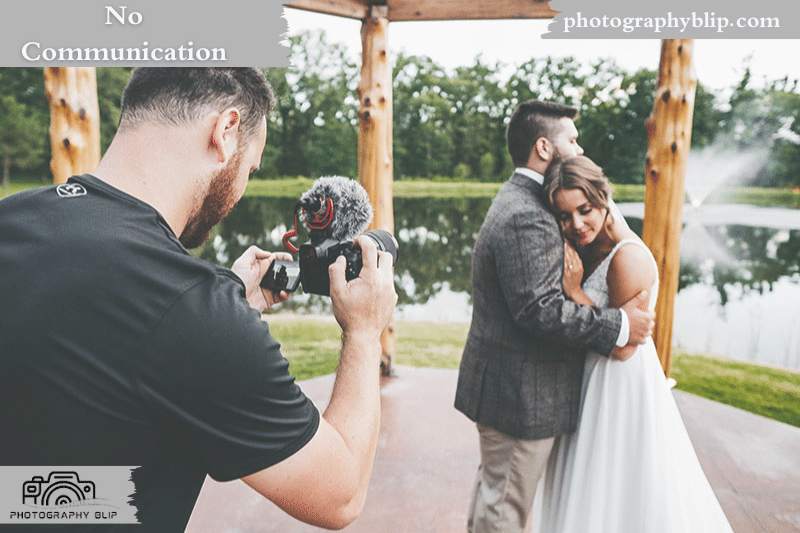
(60, 488)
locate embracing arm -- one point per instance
(530, 266)
(630, 277)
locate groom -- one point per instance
(522, 367)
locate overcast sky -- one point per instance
(719, 64)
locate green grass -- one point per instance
(311, 344)
(19, 186)
(293, 188)
(764, 390)
(415, 188)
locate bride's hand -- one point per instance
(573, 272)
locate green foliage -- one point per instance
(24, 122)
(110, 83)
(314, 129)
(448, 124)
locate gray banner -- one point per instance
(678, 19)
(66, 495)
(176, 33)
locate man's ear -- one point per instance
(225, 134)
(543, 149)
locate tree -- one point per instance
(422, 141)
(110, 83)
(314, 130)
(24, 138)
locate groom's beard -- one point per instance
(218, 203)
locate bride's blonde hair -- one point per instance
(580, 173)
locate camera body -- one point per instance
(316, 256)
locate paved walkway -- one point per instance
(428, 455)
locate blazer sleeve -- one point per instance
(530, 263)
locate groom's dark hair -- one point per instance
(531, 121)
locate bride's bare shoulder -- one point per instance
(629, 272)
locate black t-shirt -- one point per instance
(118, 347)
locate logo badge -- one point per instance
(61, 488)
(67, 495)
(70, 190)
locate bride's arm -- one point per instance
(629, 273)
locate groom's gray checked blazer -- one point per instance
(522, 366)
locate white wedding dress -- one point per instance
(630, 466)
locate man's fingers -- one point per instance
(369, 253)
(385, 260)
(336, 274)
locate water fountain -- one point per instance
(720, 310)
(706, 171)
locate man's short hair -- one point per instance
(176, 96)
(529, 122)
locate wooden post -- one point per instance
(74, 120)
(669, 131)
(375, 165)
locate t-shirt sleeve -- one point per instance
(216, 379)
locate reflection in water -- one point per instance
(739, 287)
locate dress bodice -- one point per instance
(596, 285)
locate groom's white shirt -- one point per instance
(625, 327)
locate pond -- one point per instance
(739, 287)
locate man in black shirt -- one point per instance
(120, 348)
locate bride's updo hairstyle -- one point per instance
(581, 173)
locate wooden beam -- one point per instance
(354, 9)
(405, 10)
(669, 131)
(375, 164)
(74, 120)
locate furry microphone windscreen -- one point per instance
(352, 211)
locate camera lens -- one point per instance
(385, 242)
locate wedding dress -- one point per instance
(630, 467)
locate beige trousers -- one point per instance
(506, 482)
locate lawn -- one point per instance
(311, 344)
(294, 187)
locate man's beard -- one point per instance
(219, 201)
(558, 155)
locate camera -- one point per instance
(314, 259)
(335, 210)
(61, 488)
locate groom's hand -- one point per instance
(640, 317)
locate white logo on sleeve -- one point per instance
(70, 190)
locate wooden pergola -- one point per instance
(668, 128)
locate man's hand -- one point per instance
(641, 318)
(365, 304)
(251, 267)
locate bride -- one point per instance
(630, 466)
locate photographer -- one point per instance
(121, 348)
